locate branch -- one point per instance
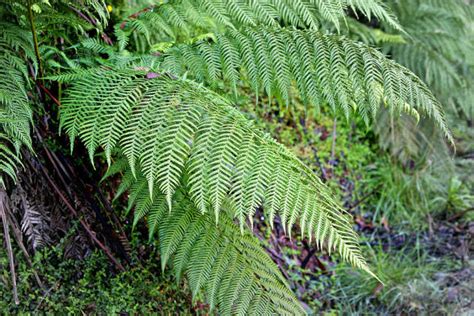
(58, 103)
(105, 37)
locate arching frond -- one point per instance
(326, 68)
(182, 18)
(231, 269)
(439, 49)
(15, 111)
(177, 132)
(439, 44)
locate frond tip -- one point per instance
(179, 134)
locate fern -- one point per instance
(174, 131)
(232, 270)
(439, 36)
(326, 68)
(182, 19)
(195, 167)
(300, 13)
(15, 111)
(439, 50)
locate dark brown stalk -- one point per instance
(6, 233)
(35, 39)
(334, 135)
(18, 238)
(105, 37)
(365, 197)
(88, 229)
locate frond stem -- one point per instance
(35, 39)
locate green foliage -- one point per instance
(312, 14)
(90, 287)
(232, 270)
(440, 37)
(198, 168)
(172, 130)
(15, 111)
(412, 284)
(326, 69)
(439, 50)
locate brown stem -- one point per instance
(18, 237)
(324, 176)
(135, 15)
(105, 37)
(49, 94)
(35, 39)
(6, 233)
(88, 229)
(365, 197)
(460, 214)
(333, 146)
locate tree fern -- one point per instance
(15, 111)
(440, 36)
(179, 21)
(326, 68)
(230, 13)
(154, 113)
(196, 168)
(231, 270)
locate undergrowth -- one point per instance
(92, 287)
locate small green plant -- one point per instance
(89, 286)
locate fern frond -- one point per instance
(299, 13)
(439, 48)
(179, 132)
(15, 111)
(326, 68)
(180, 18)
(228, 266)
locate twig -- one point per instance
(305, 261)
(324, 176)
(135, 15)
(365, 197)
(311, 253)
(49, 94)
(460, 214)
(105, 37)
(3, 216)
(46, 294)
(333, 145)
(17, 234)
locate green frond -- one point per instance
(347, 75)
(15, 111)
(228, 266)
(439, 46)
(299, 13)
(58, 17)
(179, 19)
(178, 133)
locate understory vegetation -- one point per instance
(236, 157)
